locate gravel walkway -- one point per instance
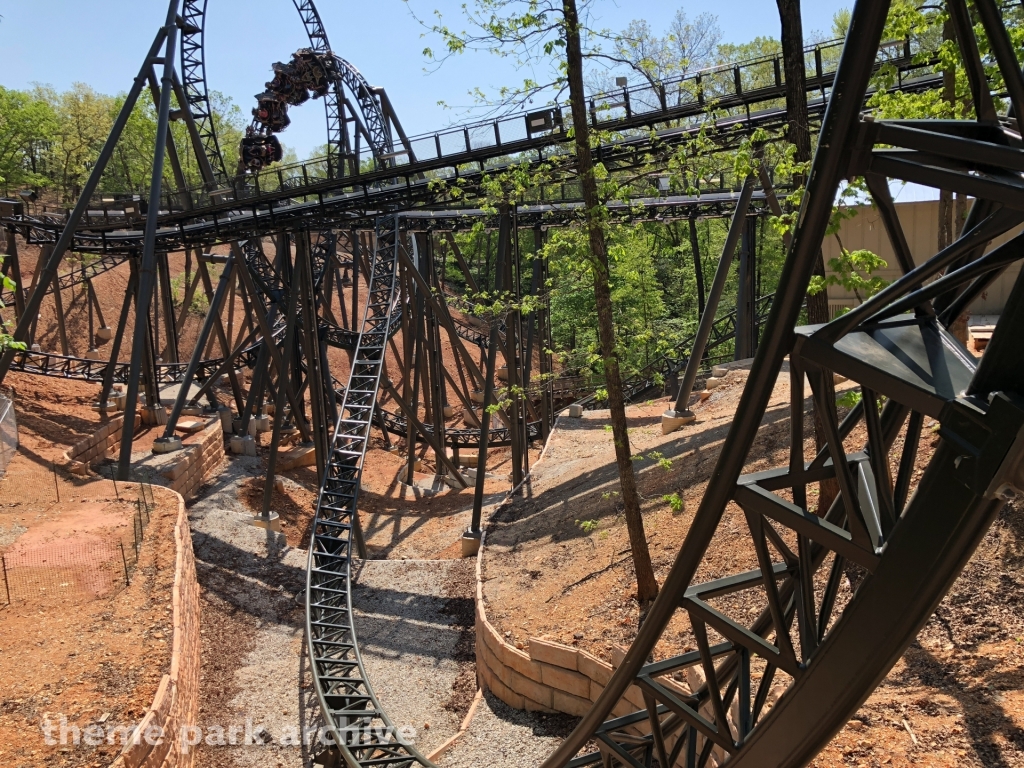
(254, 672)
(502, 737)
(410, 618)
(414, 621)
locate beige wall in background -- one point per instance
(920, 222)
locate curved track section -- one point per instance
(361, 729)
(840, 589)
(193, 69)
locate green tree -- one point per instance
(549, 34)
(26, 127)
(83, 121)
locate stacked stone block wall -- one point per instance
(551, 677)
(201, 454)
(102, 443)
(159, 741)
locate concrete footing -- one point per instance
(226, 418)
(192, 410)
(272, 523)
(167, 444)
(673, 420)
(574, 411)
(105, 333)
(154, 415)
(93, 354)
(471, 543)
(449, 411)
(469, 473)
(471, 418)
(467, 458)
(108, 407)
(242, 445)
(421, 486)
(303, 455)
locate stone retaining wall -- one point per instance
(551, 677)
(175, 707)
(544, 677)
(96, 446)
(202, 452)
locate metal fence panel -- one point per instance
(8, 433)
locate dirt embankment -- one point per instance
(558, 566)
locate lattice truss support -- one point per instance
(840, 589)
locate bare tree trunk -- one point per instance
(647, 584)
(945, 196)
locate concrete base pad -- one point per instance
(673, 420)
(104, 334)
(574, 411)
(190, 426)
(166, 444)
(470, 543)
(469, 473)
(299, 456)
(226, 419)
(192, 410)
(272, 524)
(154, 415)
(471, 418)
(242, 446)
(107, 407)
(467, 457)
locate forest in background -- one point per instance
(49, 141)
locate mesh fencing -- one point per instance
(8, 433)
(90, 567)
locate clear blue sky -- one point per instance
(102, 42)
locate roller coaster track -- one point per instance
(906, 544)
(268, 203)
(364, 734)
(840, 591)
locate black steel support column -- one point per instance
(746, 321)
(204, 334)
(492, 353)
(311, 344)
(707, 320)
(147, 272)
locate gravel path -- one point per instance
(414, 622)
(502, 737)
(410, 618)
(253, 647)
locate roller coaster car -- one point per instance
(287, 85)
(260, 151)
(314, 71)
(271, 112)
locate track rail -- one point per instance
(362, 731)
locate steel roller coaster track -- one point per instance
(778, 688)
